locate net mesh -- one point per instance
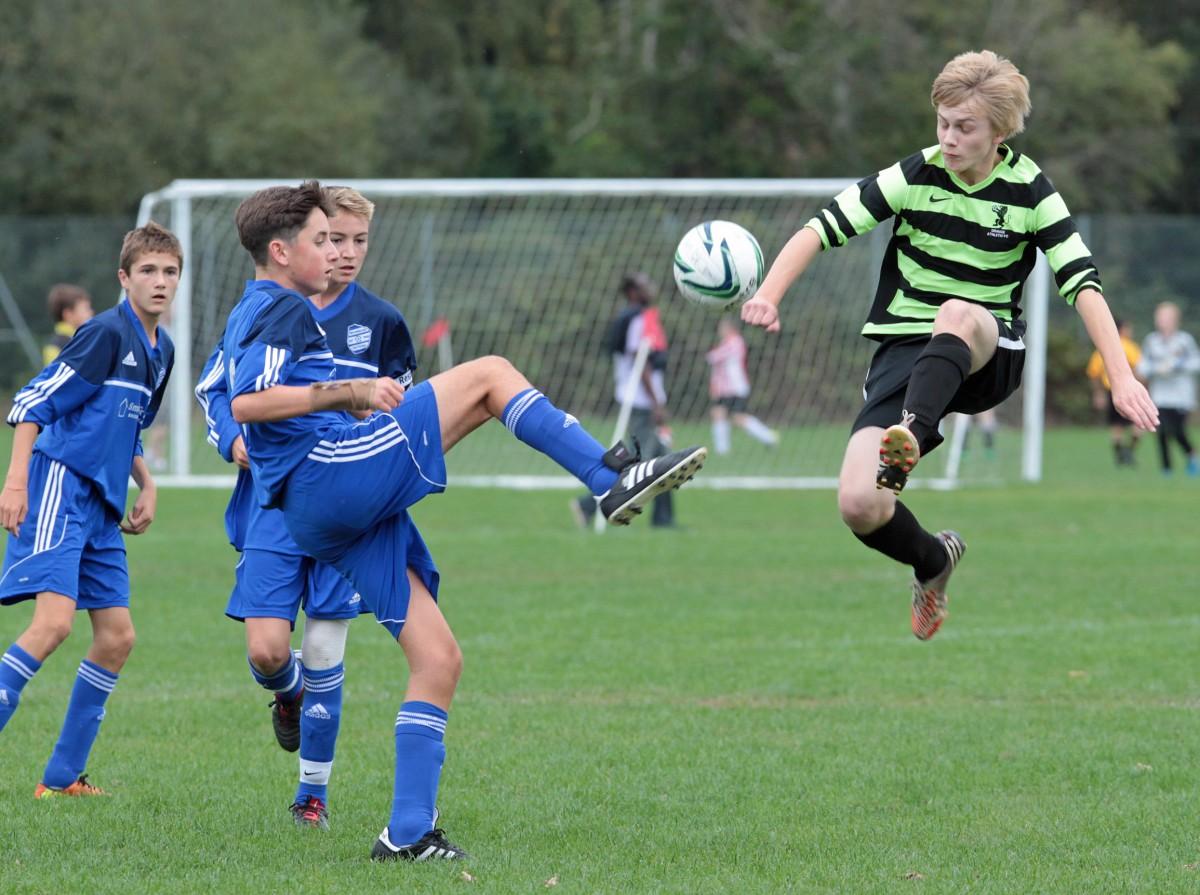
(534, 276)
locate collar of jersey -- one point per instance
(127, 310)
(336, 306)
(1006, 155)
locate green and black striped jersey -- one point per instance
(954, 240)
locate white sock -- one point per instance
(759, 430)
(720, 433)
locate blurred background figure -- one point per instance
(1169, 364)
(1124, 434)
(70, 308)
(729, 389)
(638, 322)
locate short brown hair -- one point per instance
(277, 212)
(994, 81)
(345, 198)
(63, 297)
(150, 237)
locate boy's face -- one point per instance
(309, 258)
(966, 137)
(348, 233)
(1166, 319)
(150, 282)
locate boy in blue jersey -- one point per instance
(274, 577)
(345, 487)
(971, 214)
(77, 441)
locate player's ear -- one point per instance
(277, 251)
(122, 278)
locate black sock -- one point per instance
(938, 373)
(903, 539)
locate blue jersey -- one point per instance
(367, 337)
(95, 398)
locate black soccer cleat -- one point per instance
(433, 846)
(640, 481)
(310, 813)
(285, 719)
(891, 478)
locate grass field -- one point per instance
(735, 707)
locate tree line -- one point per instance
(105, 101)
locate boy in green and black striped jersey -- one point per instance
(970, 214)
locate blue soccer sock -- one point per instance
(287, 682)
(420, 753)
(319, 721)
(17, 668)
(85, 711)
(534, 420)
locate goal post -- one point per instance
(530, 269)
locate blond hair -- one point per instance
(150, 237)
(344, 198)
(993, 80)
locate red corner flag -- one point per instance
(435, 332)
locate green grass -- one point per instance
(735, 707)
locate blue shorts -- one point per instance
(276, 585)
(70, 543)
(346, 503)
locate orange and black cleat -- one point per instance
(898, 452)
(79, 788)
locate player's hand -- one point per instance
(760, 312)
(142, 514)
(1134, 403)
(14, 505)
(387, 395)
(238, 452)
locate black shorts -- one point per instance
(1113, 415)
(891, 367)
(734, 403)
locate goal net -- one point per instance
(530, 269)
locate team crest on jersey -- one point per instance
(998, 231)
(358, 337)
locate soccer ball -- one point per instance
(718, 264)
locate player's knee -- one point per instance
(955, 316)
(268, 657)
(49, 634)
(493, 367)
(114, 645)
(861, 510)
(439, 663)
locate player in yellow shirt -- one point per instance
(70, 307)
(1120, 428)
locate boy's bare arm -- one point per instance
(1129, 396)
(281, 402)
(14, 500)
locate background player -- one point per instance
(971, 212)
(70, 308)
(729, 389)
(1119, 428)
(64, 547)
(1170, 363)
(345, 487)
(366, 335)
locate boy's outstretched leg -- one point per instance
(435, 664)
(490, 387)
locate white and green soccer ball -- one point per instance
(718, 265)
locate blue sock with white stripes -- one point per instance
(85, 711)
(17, 668)
(319, 721)
(420, 753)
(534, 420)
(286, 683)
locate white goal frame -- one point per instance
(180, 194)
